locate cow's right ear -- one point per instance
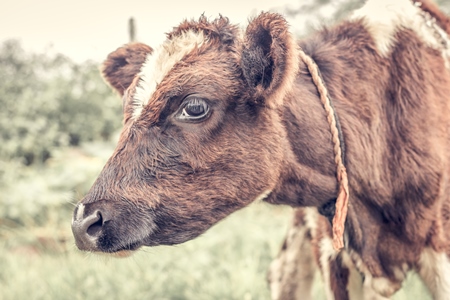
(122, 65)
(269, 59)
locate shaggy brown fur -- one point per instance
(404, 230)
(265, 133)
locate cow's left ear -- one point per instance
(269, 58)
(122, 65)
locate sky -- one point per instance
(90, 29)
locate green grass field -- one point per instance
(38, 258)
(228, 262)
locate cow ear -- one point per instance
(122, 65)
(269, 58)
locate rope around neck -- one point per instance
(341, 172)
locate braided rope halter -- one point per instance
(341, 172)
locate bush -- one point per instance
(50, 101)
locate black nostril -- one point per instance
(87, 227)
(95, 228)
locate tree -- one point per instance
(49, 102)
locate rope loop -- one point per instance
(341, 172)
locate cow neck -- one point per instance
(341, 202)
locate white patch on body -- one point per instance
(401, 272)
(263, 195)
(311, 219)
(375, 288)
(434, 268)
(355, 280)
(383, 287)
(159, 64)
(327, 253)
(383, 18)
(294, 266)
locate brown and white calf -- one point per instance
(215, 118)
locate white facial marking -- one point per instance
(434, 268)
(159, 64)
(383, 18)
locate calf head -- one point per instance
(202, 136)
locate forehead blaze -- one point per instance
(160, 63)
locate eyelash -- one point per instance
(193, 109)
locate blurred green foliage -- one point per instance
(49, 102)
(330, 11)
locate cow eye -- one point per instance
(193, 109)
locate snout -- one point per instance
(87, 228)
(105, 226)
(117, 226)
